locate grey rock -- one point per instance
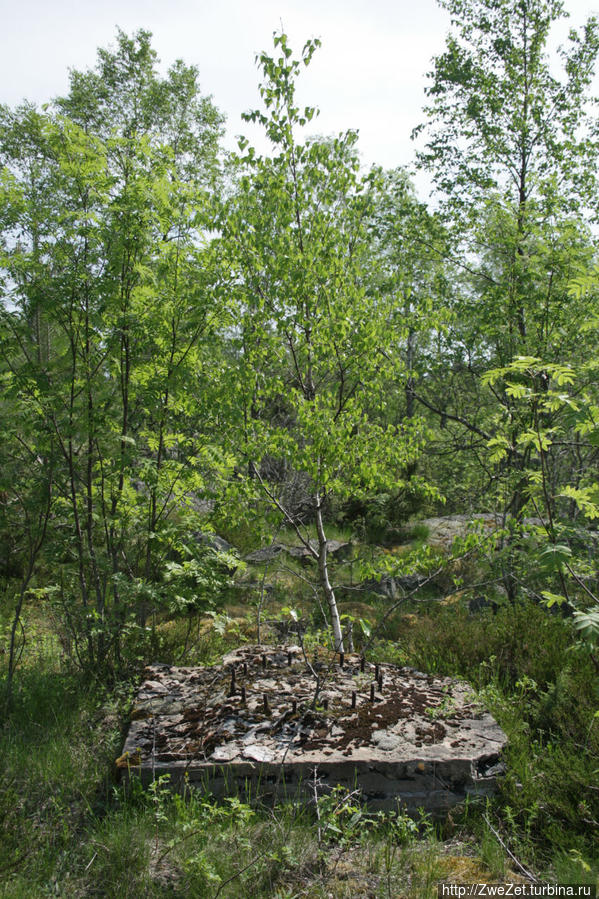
(213, 541)
(386, 741)
(337, 549)
(258, 753)
(443, 530)
(266, 554)
(298, 552)
(225, 753)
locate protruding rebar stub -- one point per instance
(232, 688)
(264, 660)
(376, 672)
(353, 699)
(372, 692)
(243, 694)
(380, 683)
(362, 664)
(245, 668)
(265, 704)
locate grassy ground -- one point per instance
(68, 828)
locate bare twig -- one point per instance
(519, 864)
(289, 518)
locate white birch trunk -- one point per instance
(324, 580)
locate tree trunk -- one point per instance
(324, 579)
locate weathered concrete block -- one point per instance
(254, 725)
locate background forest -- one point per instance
(241, 393)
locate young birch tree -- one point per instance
(315, 350)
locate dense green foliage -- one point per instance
(287, 349)
(105, 328)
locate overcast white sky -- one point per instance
(369, 73)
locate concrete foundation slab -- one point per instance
(257, 725)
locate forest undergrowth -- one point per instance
(207, 354)
(69, 828)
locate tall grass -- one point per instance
(67, 827)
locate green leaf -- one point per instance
(553, 598)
